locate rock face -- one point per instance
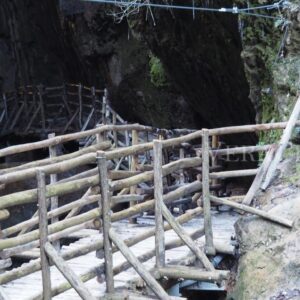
(269, 265)
(33, 46)
(202, 57)
(205, 83)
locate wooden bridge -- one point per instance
(153, 173)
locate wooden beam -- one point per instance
(258, 212)
(68, 273)
(137, 265)
(209, 245)
(158, 196)
(192, 273)
(43, 226)
(105, 204)
(282, 145)
(232, 174)
(260, 175)
(186, 238)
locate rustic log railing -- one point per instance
(107, 186)
(58, 109)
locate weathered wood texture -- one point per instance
(43, 226)
(158, 195)
(105, 203)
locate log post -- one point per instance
(115, 133)
(104, 103)
(214, 158)
(133, 167)
(158, 196)
(106, 219)
(43, 118)
(43, 226)
(53, 179)
(209, 245)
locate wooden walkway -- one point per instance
(27, 287)
(151, 172)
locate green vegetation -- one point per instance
(157, 72)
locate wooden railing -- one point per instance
(40, 110)
(144, 171)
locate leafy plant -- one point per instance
(157, 72)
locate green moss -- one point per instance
(157, 72)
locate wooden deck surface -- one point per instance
(25, 288)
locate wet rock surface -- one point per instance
(269, 264)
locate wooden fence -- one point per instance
(147, 173)
(40, 110)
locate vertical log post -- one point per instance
(209, 246)
(43, 118)
(43, 227)
(80, 104)
(127, 142)
(106, 216)
(158, 196)
(214, 161)
(104, 99)
(133, 167)
(64, 96)
(53, 179)
(93, 94)
(115, 133)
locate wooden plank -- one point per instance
(72, 278)
(158, 196)
(186, 238)
(43, 226)
(137, 265)
(252, 210)
(209, 244)
(282, 145)
(106, 219)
